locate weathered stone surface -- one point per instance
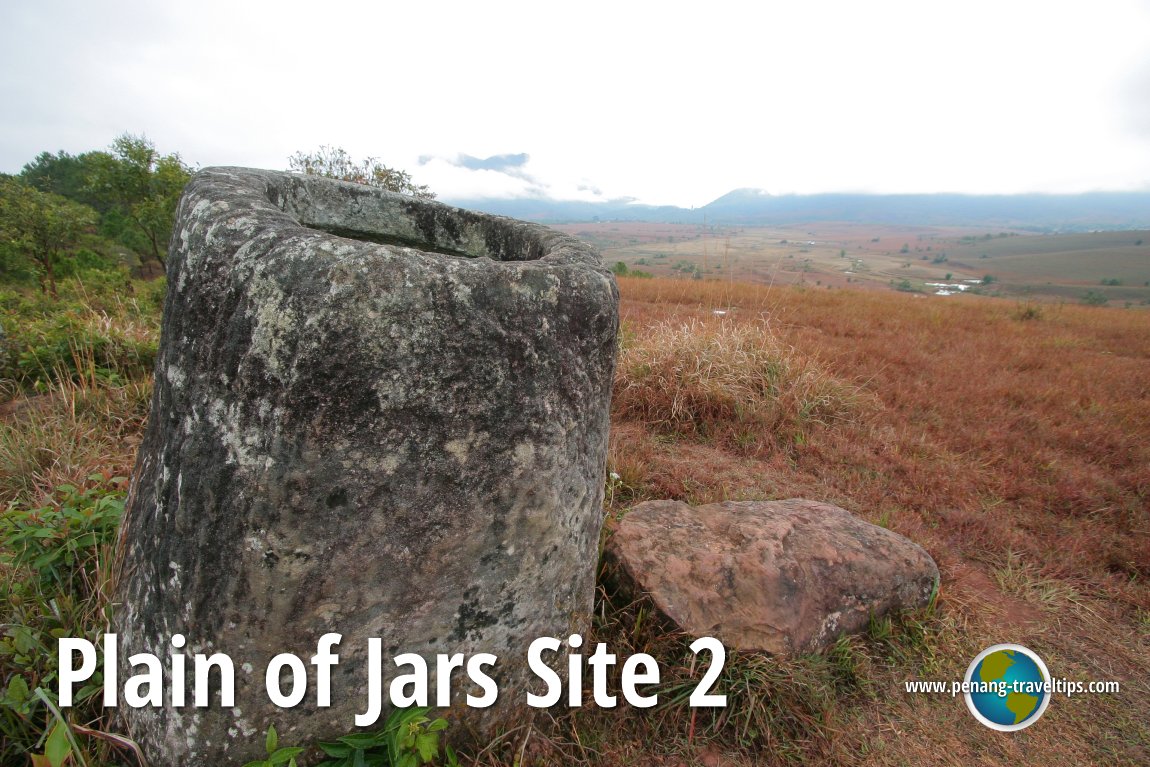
(781, 576)
(373, 415)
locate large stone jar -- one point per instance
(373, 415)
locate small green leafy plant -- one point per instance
(276, 755)
(409, 738)
(55, 564)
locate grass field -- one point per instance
(1112, 266)
(1010, 439)
(1011, 444)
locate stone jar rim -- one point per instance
(330, 208)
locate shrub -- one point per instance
(1028, 311)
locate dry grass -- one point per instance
(1016, 450)
(1001, 434)
(729, 383)
(74, 430)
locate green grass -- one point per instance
(57, 562)
(105, 327)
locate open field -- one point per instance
(1011, 441)
(1045, 267)
(1012, 445)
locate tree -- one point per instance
(66, 175)
(42, 227)
(138, 183)
(334, 162)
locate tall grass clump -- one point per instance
(73, 430)
(75, 380)
(731, 383)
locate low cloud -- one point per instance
(463, 176)
(500, 175)
(511, 164)
(504, 163)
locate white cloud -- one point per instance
(668, 103)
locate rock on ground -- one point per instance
(373, 415)
(778, 576)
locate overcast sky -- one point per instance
(666, 102)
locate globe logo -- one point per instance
(1007, 687)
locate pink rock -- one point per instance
(778, 576)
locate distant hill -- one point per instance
(1096, 210)
(752, 207)
(571, 211)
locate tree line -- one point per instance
(64, 212)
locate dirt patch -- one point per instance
(966, 584)
(21, 405)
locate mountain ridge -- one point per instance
(752, 207)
